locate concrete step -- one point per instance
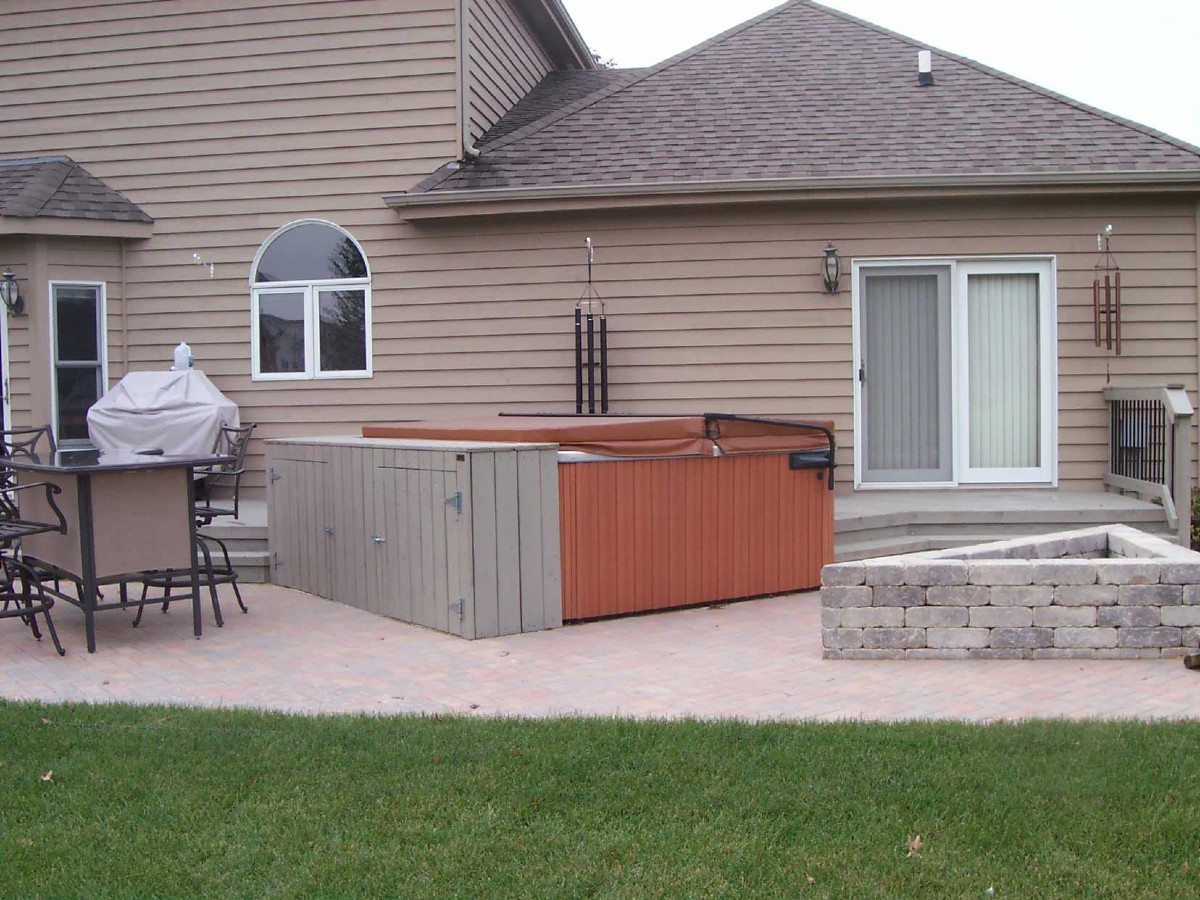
(867, 547)
(999, 519)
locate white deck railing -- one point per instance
(1150, 449)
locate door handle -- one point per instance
(378, 540)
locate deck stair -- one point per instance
(886, 523)
(246, 538)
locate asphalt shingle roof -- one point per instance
(801, 92)
(57, 187)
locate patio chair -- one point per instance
(22, 442)
(214, 571)
(22, 595)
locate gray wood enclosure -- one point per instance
(458, 537)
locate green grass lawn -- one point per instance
(170, 803)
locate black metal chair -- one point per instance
(22, 442)
(22, 595)
(211, 503)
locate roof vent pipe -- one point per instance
(924, 67)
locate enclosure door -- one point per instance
(904, 375)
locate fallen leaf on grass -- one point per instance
(48, 777)
(474, 706)
(25, 842)
(47, 722)
(809, 878)
(914, 846)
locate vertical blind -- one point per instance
(903, 368)
(1003, 362)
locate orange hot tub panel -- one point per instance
(681, 510)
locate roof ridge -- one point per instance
(608, 90)
(1011, 79)
(36, 160)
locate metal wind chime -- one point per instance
(1106, 295)
(591, 303)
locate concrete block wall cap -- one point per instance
(1180, 571)
(1127, 571)
(883, 573)
(999, 571)
(1064, 571)
(843, 574)
(935, 572)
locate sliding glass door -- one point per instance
(956, 372)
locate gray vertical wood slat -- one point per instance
(453, 566)
(551, 542)
(352, 526)
(371, 516)
(483, 540)
(324, 570)
(420, 608)
(463, 531)
(433, 616)
(447, 618)
(305, 555)
(402, 561)
(333, 520)
(529, 512)
(508, 543)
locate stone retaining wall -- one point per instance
(1108, 592)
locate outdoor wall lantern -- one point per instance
(831, 268)
(10, 293)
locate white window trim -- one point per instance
(101, 340)
(1042, 264)
(310, 289)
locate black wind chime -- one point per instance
(591, 306)
(1106, 296)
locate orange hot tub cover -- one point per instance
(626, 436)
(675, 523)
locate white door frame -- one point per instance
(1045, 266)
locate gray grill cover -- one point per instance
(179, 412)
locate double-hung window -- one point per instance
(310, 305)
(78, 341)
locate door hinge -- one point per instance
(455, 500)
(459, 606)
(862, 373)
(276, 562)
(273, 476)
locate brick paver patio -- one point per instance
(756, 660)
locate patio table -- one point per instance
(126, 512)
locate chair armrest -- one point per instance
(52, 490)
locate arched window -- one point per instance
(310, 300)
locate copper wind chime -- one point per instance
(1106, 295)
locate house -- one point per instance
(370, 212)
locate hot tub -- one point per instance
(669, 511)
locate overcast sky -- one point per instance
(1137, 58)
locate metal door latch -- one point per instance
(276, 562)
(378, 540)
(273, 476)
(455, 500)
(458, 606)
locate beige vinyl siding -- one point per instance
(224, 121)
(504, 62)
